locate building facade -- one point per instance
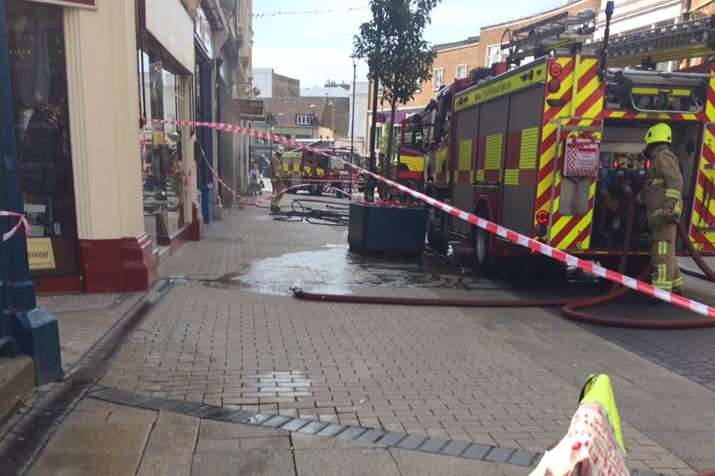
(106, 189)
(269, 84)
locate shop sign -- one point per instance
(250, 108)
(40, 254)
(70, 3)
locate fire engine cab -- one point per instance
(553, 149)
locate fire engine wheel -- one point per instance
(482, 258)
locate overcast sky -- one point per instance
(317, 47)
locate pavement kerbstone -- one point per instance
(522, 458)
(412, 442)
(313, 427)
(276, 421)
(391, 439)
(370, 436)
(454, 448)
(499, 455)
(477, 451)
(332, 429)
(351, 433)
(295, 424)
(433, 445)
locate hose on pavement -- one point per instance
(572, 309)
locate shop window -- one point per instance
(40, 103)
(162, 159)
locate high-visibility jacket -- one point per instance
(664, 182)
(276, 167)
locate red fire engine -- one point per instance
(319, 172)
(552, 148)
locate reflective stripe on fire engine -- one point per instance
(529, 148)
(320, 172)
(493, 152)
(480, 175)
(464, 162)
(702, 225)
(641, 91)
(511, 177)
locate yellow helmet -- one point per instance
(659, 133)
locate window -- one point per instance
(438, 78)
(462, 71)
(303, 119)
(418, 86)
(494, 54)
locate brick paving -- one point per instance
(425, 371)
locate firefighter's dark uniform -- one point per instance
(276, 180)
(662, 195)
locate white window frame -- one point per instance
(303, 120)
(419, 87)
(466, 70)
(490, 57)
(435, 83)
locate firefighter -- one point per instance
(277, 177)
(662, 195)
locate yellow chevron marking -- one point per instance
(587, 91)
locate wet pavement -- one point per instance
(227, 338)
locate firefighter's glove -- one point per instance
(670, 215)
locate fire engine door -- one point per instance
(467, 124)
(522, 148)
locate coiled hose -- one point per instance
(572, 309)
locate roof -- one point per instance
(331, 112)
(534, 16)
(472, 40)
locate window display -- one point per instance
(162, 171)
(39, 85)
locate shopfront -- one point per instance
(166, 65)
(38, 80)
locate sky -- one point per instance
(317, 47)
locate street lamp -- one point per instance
(312, 121)
(280, 120)
(352, 120)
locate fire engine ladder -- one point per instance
(644, 88)
(556, 32)
(676, 42)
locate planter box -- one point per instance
(387, 229)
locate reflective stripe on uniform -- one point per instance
(662, 248)
(672, 193)
(655, 181)
(678, 282)
(660, 280)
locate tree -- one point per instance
(397, 55)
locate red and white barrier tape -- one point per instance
(504, 233)
(21, 223)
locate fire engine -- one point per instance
(409, 168)
(553, 148)
(319, 172)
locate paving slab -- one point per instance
(251, 462)
(339, 462)
(413, 463)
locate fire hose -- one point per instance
(572, 309)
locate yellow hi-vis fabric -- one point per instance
(598, 390)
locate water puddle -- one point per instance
(334, 269)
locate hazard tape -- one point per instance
(21, 223)
(498, 230)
